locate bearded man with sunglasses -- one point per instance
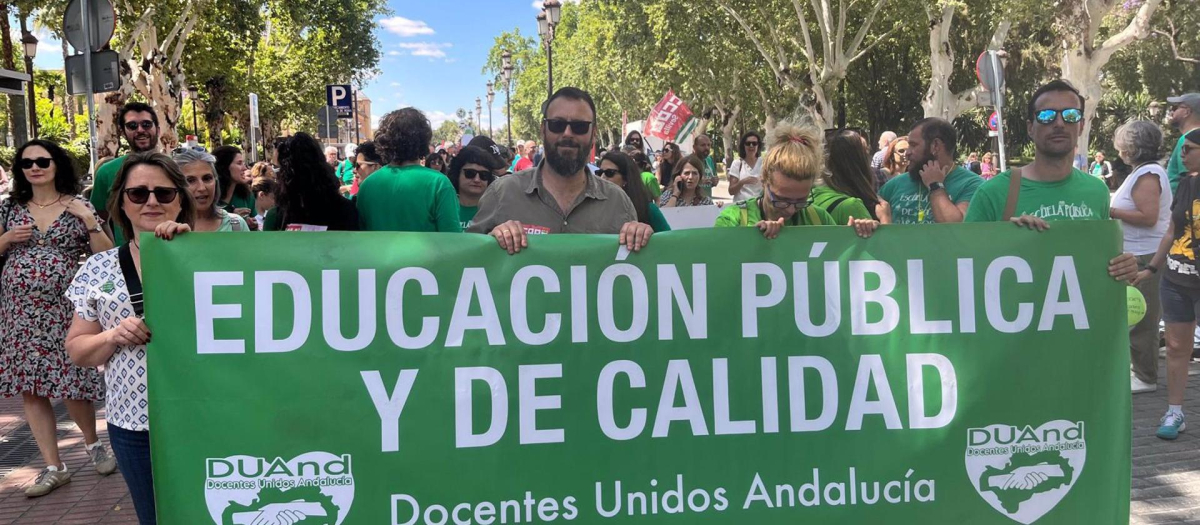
(139, 126)
(559, 194)
(1050, 188)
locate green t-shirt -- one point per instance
(657, 220)
(466, 215)
(345, 172)
(748, 213)
(408, 199)
(1175, 169)
(102, 188)
(652, 185)
(839, 205)
(1079, 197)
(909, 199)
(236, 202)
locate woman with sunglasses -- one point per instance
(471, 173)
(620, 169)
(896, 160)
(200, 174)
(47, 230)
(436, 162)
(790, 168)
(684, 189)
(1180, 286)
(666, 165)
(149, 194)
(745, 174)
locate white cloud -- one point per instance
(405, 27)
(394, 84)
(436, 118)
(392, 53)
(425, 49)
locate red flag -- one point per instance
(670, 119)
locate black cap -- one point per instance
(487, 144)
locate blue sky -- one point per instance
(432, 54)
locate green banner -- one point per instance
(931, 374)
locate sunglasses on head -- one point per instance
(608, 174)
(42, 162)
(133, 125)
(557, 125)
(482, 175)
(141, 194)
(1069, 115)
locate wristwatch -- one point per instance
(934, 186)
(99, 227)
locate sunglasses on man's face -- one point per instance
(133, 125)
(141, 194)
(482, 175)
(1069, 115)
(578, 127)
(41, 162)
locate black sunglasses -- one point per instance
(608, 174)
(141, 194)
(483, 175)
(133, 126)
(557, 125)
(42, 162)
(752, 143)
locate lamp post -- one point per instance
(478, 116)
(30, 43)
(506, 60)
(491, 96)
(547, 20)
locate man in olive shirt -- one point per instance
(404, 195)
(1185, 117)
(1051, 189)
(559, 195)
(139, 126)
(936, 188)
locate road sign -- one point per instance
(106, 73)
(985, 71)
(327, 123)
(340, 96)
(993, 121)
(101, 18)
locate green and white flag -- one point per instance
(920, 376)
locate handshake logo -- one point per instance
(315, 488)
(1024, 472)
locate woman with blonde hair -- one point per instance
(895, 161)
(795, 160)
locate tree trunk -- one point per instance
(16, 109)
(68, 100)
(729, 120)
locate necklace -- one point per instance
(44, 206)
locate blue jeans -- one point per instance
(132, 449)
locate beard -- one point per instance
(915, 166)
(133, 142)
(564, 165)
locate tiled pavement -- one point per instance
(1166, 475)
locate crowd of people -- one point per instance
(72, 298)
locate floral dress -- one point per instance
(35, 312)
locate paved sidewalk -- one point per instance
(1166, 475)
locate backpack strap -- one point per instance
(1014, 191)
(833, 205)
(813, 218)
(133, 282)
(745, 216)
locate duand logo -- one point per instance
(315, 488)
(1024, 472)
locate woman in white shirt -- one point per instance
(1143, 205)
(149, 192)
(745, 174)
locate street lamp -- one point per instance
(491, 96)
(506, 61)
(479, 115)
(547, 19)
(30, 43)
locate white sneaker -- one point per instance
(1137, 386)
